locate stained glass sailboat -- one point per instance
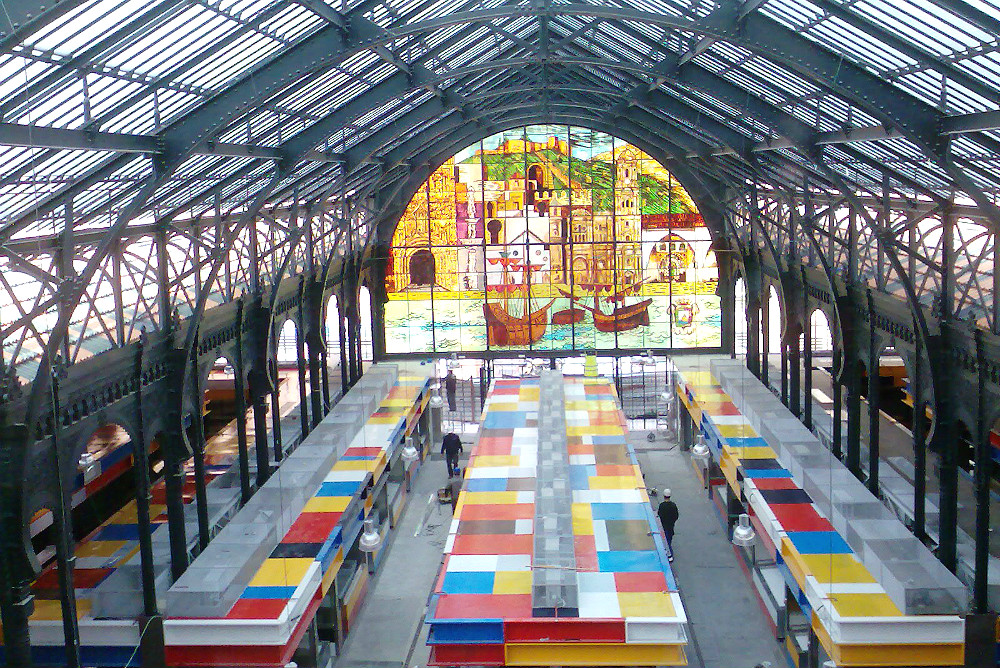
(503, 328)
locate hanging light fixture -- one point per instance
(409, 452)
(743, 533)
(700, 452)
(370, 538)
(436, 400)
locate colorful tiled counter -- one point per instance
(808, 515)
(316, 553)
(554, 556)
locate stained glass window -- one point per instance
(551, 238)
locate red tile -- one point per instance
(649, 581)
(88, 578)
(500, 511)
(360, 451)
(580, 449)
(257, 608)
(774, 483)
(485, 543)
(799, 517)
(467, 655)
(312, 528)
(615, 469)
(483, 606)
(565, 629)
(586, 553)
(492, 445)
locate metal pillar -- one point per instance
(241, 420)
(260, 431)
(981, 483)
(794, 366)
(753, 334)
(873, 415)
(765, 335)
(342, 339)
(784, 369)
(140, 456)
(919, 447)
(853, 415)
(275, 382)
(65, 559)
(198, 453)
(838, 405)
(173, 478)
(944, 443)
(300, 364)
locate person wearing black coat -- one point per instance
(451, 447)
(668, 518)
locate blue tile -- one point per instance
(465, 632)
(486, 484)
(767, 473)
(627, 561)
(579, 474)
(118, 532)
(505, 419)
(819, 542)
(741, 442)
(468, 582)
(619, 511)
(607, 439)
(340, 488)
(276, 591)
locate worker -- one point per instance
(668, 517)
(455, 487)
(450, 447)
(451, 389)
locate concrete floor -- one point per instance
(727, 627)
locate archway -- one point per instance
(422, 268)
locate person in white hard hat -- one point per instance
(668, 518)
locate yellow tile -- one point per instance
(753, 452)
(505, 406)
(281, 572)
(865, 605)
(583, 519)
(736, 431)
(593, 654)
(480, 498)
(836, 568)
(528, 393)
(327, 504)
(355, 465)
(99, 548)
(496, 460)
(646, 604)
(512, 582)
(595, 430)
(612, 482)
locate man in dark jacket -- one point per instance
(451, 389)
(451, 446)
(668, 518)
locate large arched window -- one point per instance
(483, 258)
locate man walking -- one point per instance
(451, 389)
(668, 517)
(451, 447)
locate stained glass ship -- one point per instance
(504, 328)
(623, 316)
